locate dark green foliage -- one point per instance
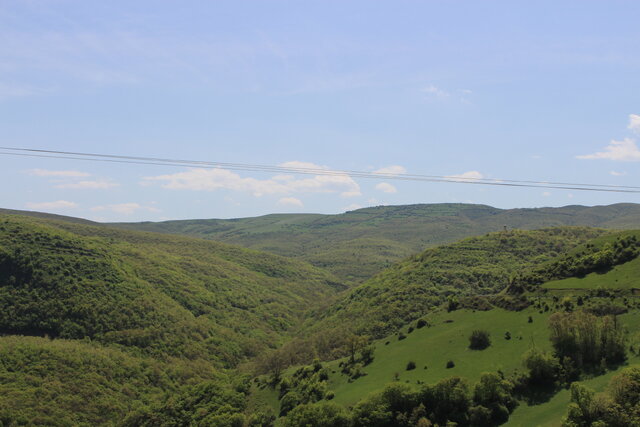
(587, 339)
(207, 403)
(479, 340)
(421, 323)
(588, 409)
(543, 367)
(322, 414)
(599, 255)
(493, 397)
(450, 364)
(64, 382)
(411, 365)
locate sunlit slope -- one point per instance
(357, 244)
(166, 295)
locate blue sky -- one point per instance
(543, 90)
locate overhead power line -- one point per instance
(111, 158)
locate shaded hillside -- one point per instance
(357, 244)
(164, 295)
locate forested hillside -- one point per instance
(138, 313)
(360, 243)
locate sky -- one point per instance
(521, 90)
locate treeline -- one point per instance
(591, 259)
(451, 400)
(618, 407)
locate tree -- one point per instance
(543, 367)
(479, 340)
(323, 414)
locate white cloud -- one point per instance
(59, 204)
(290, 201)
(435, 91)
(352, 207)
(51, 173)
(124, 208)
(546, 194)
(615, 173)
(625, 151)
(391, 170)
(215, 179)
(88, 185)
(467, 176)
(634, 123)
(385, 187)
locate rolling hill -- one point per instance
(127, 317)
(360, 243)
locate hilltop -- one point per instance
(358, 244)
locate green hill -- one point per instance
(474, 266)
(357, 244)
(122, 318)
(436, 346)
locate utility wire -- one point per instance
(110, 158)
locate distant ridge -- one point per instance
(357, 244)
(43, 215)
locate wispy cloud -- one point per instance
(352, 207)
(58, 204)
(124, 208)
(385, 187)
(435, 91)
(467, 176)
(102, 184)
(58, 173)
(616, 173)
(197, 179)
(290, 201)
(391, 170)
(634, 123)
(624, 151)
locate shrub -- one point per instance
(421, 323)
(543, 367)
(450, 364)
(411, 365)
(479, 340)
(507, 335)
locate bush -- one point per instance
(544, 368)
(479, 340)
(450, 364)
(323, 414)
(411, 365)
(421, 323)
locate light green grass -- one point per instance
(434, 346)
(623, 276)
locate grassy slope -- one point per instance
(624, 276)
(434, 346)
(360, 243)
(477, 265)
